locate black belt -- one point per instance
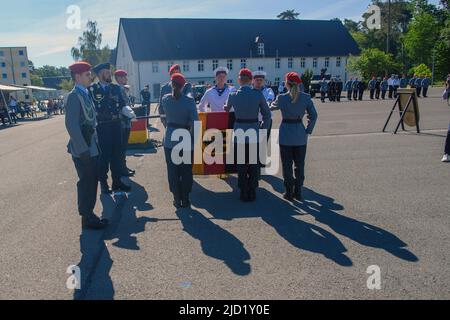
(111, 121)
(292, 120)
(247, 121)
(179, 126)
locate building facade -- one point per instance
(14, 70)
(146, 48)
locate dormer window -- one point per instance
(260, 46)
(261, 49)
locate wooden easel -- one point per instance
(408, 95)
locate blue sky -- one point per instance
(41, 25)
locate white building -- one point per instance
(146, 48)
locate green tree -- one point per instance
(66, 85)
(373, 62)
(306, 79)
(288, 15)
(421, 38)
(36, 80)
(90, 47)
(441, 54)
(421, 70)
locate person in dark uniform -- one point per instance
(108, 100)
(372, 86)
(248, 103)
(361, 88)
(425, 85)
(384, 87)
(412, 82)
(348, 87)
(293, 134)
(126, 117)
(323, 89)
(403, 82)
(146, 99)
(418, 86)
(378, 88)
(339, 88)
(81, 125)
(167, 88)
(332, 90)
(355, 86)
(178, 111)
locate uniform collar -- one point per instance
(81, 88)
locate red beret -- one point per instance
(173, 68)
(80, 67)
(293, 77)
(246, 72)
(178, 78)
(121, 73)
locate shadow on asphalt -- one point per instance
(277, 213)
(215, 241)
(96, 262)
(324, 210)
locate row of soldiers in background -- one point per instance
(379, 86)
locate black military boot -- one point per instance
(185, 201)
(119, 186)
(91, 221)
(105, 187)
(298, 193)
(176, 200)
(289, 194)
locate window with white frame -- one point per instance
(243, 63)
(169, 65)
(201, 65)
(215, 64)
(327, 62)
(291, 63)
(277, 63)
(155, 67)
(338, 62)
(261, 49)
(230, 64)
(302, 62)
(186, 66)
(315, 63)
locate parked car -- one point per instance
(315, 83)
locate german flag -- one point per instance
(222, 121)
